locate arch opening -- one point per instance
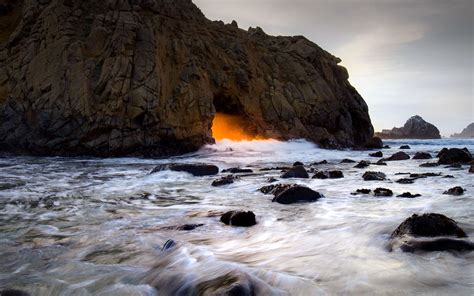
(231, 122)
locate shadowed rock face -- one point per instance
(145, 77)
(415, 128)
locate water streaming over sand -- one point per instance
(86, 226)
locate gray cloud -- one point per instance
(405, 57)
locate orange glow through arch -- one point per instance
(225, 126)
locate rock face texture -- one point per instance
(146, 77)
(468, 132)
(415, 128)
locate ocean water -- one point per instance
(89, 226)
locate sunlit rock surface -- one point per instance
(146, 77)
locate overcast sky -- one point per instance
(405, 57)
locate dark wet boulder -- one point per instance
(193, 169)
(275, 189)
(386, 147)
(471, 169)
(226, 180)
(380, 162)
(362, 164)
(321, 175)
(424, 175)
(455, 191)
(237, 171)
(398, 156)
(296, 172)
(429, 225)
(383, 192)
(376, 154)
(429, 165)
(320, 162)
(454, 155)
(239, 218)
(406, 181)
(298, 163)
(296, 194)
(449, 177)
(347, 160)
(405, 147)
(408, 195)
(336, 174)
(373, 176)
(361, 191)
(329, 175)
(422, 155)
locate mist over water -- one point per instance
(89, 226)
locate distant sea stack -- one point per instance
(415, 128)
(468, 132)
(146, 77)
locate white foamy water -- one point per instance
(85, 226)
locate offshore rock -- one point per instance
(146, 77)
(468, 132)
(415, 128)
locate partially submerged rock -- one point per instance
(296, 194)
(458, 190)
(374, 176)
(320, 162)
(406, 181)
(226, 180)
(422, 155)
(329, 175)
(296, 172)
(346, 160)
(398, 156)
(383, 192)
(429, 165)
(376, 154)
(429, 225)
(239, 218)
(408, 195)
(237, 171)
(362, 164)
(405, 147)
(454, 155)
(193, 169)
(362, 191)
(430, 232)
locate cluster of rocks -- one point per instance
(409, 236)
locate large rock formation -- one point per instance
(468, 132)
(145, 77)
(415, 128)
